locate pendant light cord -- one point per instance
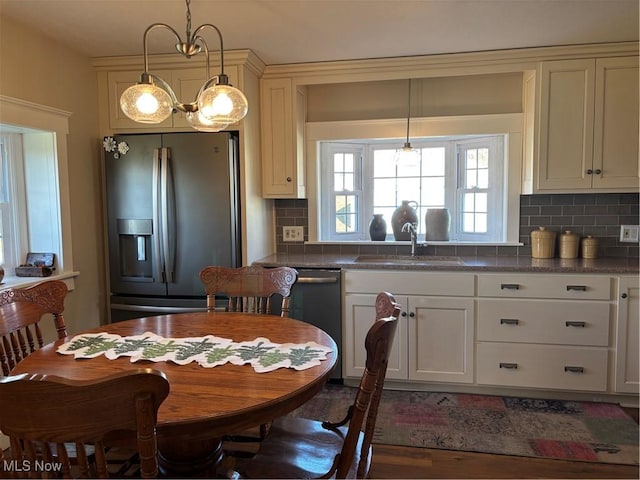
(408, 111)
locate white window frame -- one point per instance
(495, 202)
(46, 131)
(328, 201)
(453, 179)
(511, 124)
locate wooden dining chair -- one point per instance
(21, 310)
(302, 448)
(250, 289)
(41, 411)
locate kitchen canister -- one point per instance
(543, 243)
(568, 243)
(378, 228)
(437, 222)
(589, 247)
(401, 215)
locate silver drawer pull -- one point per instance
(511, 366)
(572, 323)
(574, 369)
(577, 288)
(509, 286)
(509, 321)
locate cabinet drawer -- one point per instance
(574, 287)
(542, 366)
(410, 282)
(539, 321)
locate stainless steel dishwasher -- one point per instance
(316, 298)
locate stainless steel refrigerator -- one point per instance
(173, 208)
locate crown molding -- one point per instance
(495, 61)
(246, 58)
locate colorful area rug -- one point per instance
(582, 431)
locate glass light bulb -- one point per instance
(146, 103)
(223, 104)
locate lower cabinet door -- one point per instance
(360, 313)
(441, 333)
(542, 366)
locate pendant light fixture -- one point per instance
(407, 155)
(217, 103)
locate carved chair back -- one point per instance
(249, 289)
(81, 413)
(378, 347)
(21, 310)
(302, 448)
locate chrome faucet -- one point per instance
(412, 228)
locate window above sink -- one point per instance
(350, 165)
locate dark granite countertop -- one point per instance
(474, 264)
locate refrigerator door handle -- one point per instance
(167, 210)
(158, 261)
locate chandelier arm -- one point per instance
(201, 27)
(144, 40)
(165, 86)
(206, 51)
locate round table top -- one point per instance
(214, 400)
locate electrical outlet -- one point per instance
(293, 234)
(629, 233)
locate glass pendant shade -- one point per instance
(223, 104)
(407, 156)
(146, 103)
(203, 124)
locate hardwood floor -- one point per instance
(390, 461)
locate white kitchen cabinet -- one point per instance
(360, 313)
(543, 331)
(441, 334)
(588, 125)
(434, 340)
(627, 375)
(283, 111)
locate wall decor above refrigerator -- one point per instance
(172, 208)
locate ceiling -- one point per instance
(295, 31)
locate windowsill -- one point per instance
(420, 243)
(11, 281)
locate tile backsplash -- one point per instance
(597, 214)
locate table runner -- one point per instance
(208, 351)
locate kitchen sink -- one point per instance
(425, 260)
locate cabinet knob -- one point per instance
(288, 179)
(589, 172)
(412, 314)
(597, 171)
(404, 314)
(624, 295)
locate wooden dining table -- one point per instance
(204, 403)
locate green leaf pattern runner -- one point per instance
(208, 351)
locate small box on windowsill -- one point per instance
(37, 265)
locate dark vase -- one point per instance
(401, 215)
(378, 228)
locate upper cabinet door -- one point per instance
(615, 138)
(283, 111)
(588, 126)
(566, 125)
